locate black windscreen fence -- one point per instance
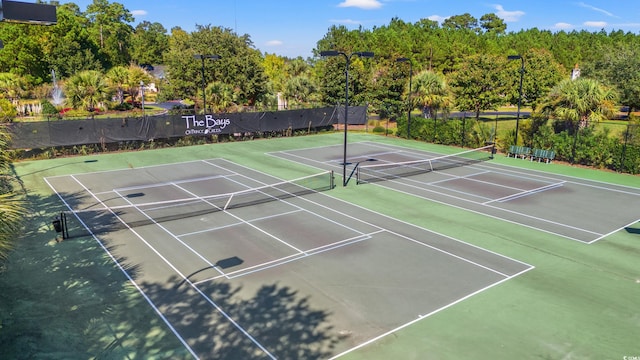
(28, 135)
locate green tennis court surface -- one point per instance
(573, 208)
(379, 270)
(370, 274)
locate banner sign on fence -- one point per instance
(42, 134)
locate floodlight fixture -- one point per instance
(28, 13)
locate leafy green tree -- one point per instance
(110, 31)
(332, 81)
(275, 70)
(240, 64)
(619, 67)
(67, 45)
(541, 73)
(23, 52)
(149, 42)
(87, 89)
(479, 83)
(461, 22)
(491, 23)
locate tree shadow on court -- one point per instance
(67, 299)
(226, 322)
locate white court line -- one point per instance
(238, 223)
(185, 279)
(134, 168)
(304, 199)
(527, 193)
(421, 317)
(386, 216)
(492, 207)
(614, 231)
(288, 259)
(138, 187)
(248, 223)
(325, 163)
(301, 208)
(113, 258)
(213, 266)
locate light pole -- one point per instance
(204, 96)
(404, 59)
(363, 54)
(142, 97)
(516, 57)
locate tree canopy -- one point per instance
(102, 37)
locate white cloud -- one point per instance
(598, 24)
(437, 18)
(361, 4)
(596, 9)
(563, 26)
(274, 43)
(627, 25)
(138, 12)
(508, 16)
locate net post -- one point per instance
(65, 228)
(332, 180)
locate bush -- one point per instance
(8, 112)
(124, 106)
(48, 109)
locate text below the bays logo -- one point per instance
(204, 126)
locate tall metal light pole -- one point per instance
(204, 96)
(516, 57)
(410, 103)
(363, 54)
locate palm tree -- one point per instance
(10, 206)
(580, 101)
(299, 89)
(432, 92)
(220, 96)
(117, 79)
(135, 75)
(12, 86)
(87, 89)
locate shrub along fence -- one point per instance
(582, 146)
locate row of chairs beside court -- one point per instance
(525, 152)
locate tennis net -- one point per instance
(134, 215)
(387, 171)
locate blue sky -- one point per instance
(292, 27)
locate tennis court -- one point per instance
(572, 208)
(217, 249)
